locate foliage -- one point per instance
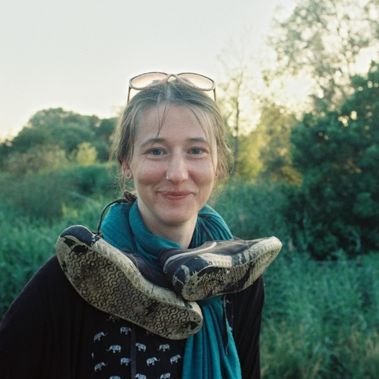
(337, 155)
(27, 242)
(324, 40)
(34, 159)
(254, 210)
(85, 154)
(321, 318)
(235, 94)
(48, 194)
(265, 150)
(274, 127)
(60, 130)
(103, 140)
(249, 160)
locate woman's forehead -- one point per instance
(167, 119)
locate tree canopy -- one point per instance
(54, 136)
(337, 155)
(325, 40)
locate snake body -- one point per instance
(228, 267)
(109, 280)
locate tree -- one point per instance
(35, 159)
(337, 155)
(55, 126)
(250, 164)
(265, 151)
(64, 130)
(231, 107)
(274, 127)
(238, 103)
(86, 154)
(103, 138)
(324, 39)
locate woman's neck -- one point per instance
(181, 234)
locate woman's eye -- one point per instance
(155, 151)
(197, 150)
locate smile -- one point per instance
(175, 195)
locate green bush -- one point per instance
(254, 210)
(45, 195)
(90, 180)
(337, 154)
(36, 195)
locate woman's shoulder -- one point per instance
(36, 298)
(49, 267)
(49, 274)
(46, 288)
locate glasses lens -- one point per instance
(197, 80)
(145, 80)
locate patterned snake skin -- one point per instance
(108, 280)
(230, 266)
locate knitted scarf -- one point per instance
(211, 353)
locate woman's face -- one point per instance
(173, 168)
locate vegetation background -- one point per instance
(309, 177)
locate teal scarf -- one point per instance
(207, 355)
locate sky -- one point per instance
(80, 54)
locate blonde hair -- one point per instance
(173, 92)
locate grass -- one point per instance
(321, 319)
(27, 243)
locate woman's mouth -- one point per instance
(175, 195)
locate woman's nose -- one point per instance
(177, 170)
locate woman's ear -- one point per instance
(126, 170)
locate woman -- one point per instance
(120, 317)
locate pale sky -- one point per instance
(79, 54)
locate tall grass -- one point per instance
(26, 243)
(321, 319)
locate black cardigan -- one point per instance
(48, 332)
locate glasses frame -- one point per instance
(166, 77)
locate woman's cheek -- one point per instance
(150, 171)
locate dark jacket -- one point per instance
(50, 332)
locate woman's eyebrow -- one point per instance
(153, 140)
(150, 141)
(198, 139)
